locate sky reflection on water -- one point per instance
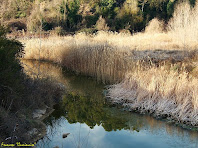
(94, 123)
(81, 135)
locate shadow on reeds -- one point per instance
(104, 61)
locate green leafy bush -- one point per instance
(9, 66)
(69, 10)
(106, 8)
(91, 20)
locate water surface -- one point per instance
(93, 122)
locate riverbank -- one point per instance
(160, 80)
(161, 93)
(85, 106)
(38, 95)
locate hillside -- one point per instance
(82, 15)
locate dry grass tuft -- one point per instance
(101, 24)
(159, 91)
(155, 26)
(183, 25)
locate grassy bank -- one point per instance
(162, 82)
(155, 71)
(164, 93)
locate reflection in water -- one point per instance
(94, 122)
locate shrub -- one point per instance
(183, 24)
(129, 16)
(8, 51)
(44, 16)
(10, 69)
(101, 24)
(20, 96)
(58, 31)
(170, 7)
(106, 8)
(15, 9)
(34, 20)
(69, 11)
(16, 25)
(155, 26)
(91, 20)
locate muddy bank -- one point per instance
(24, 124)
(39, 132)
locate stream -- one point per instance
(93, 122)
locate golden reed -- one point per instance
(153, 71)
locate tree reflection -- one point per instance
(85, 103)
(85, 109)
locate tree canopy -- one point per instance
(75, 15)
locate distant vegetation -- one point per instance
(82, 15)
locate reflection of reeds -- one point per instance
(159, 127)
(79, 85)
(35, 69)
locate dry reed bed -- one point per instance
(159, 82)
(161, 65)
(160, 92)
(102, 55)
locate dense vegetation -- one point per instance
(9, 67)
(19, 95)
(83, 15)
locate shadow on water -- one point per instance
(93, 122)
